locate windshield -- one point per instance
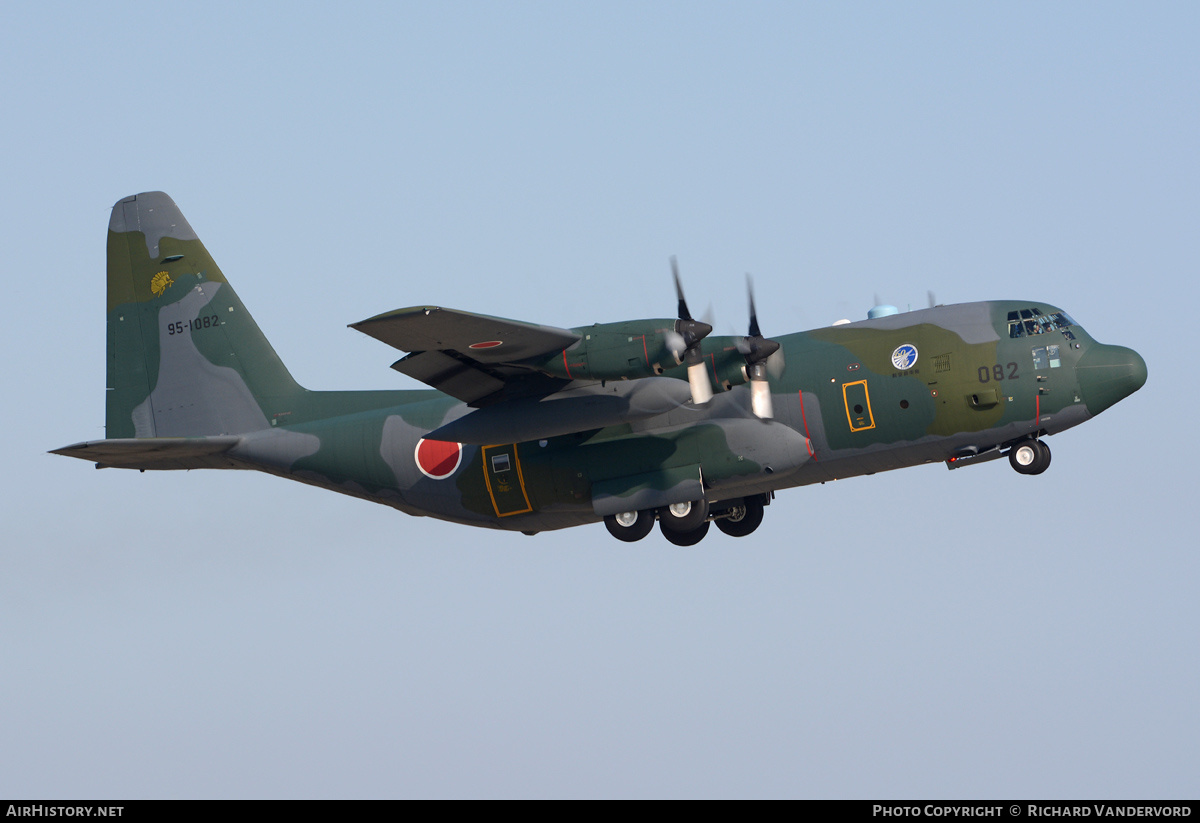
(1032, 321)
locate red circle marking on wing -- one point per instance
(438, 459)
(486, 344)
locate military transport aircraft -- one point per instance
(533, 427)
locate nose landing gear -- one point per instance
(1030, 457)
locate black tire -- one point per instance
(1030, 457)
(635, 531)
(1024, 456)
(672, 519)
(688, 538)
(744, 518)
(1043, 459)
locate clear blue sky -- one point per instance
(918, 633)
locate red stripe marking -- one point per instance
(565, 366)
(812, 453)
(645, 350)
(716, 379)
(1037, 417)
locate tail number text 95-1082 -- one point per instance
(209, 322)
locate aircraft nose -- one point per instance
(1108, 374)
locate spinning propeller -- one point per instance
(762, 356)
(684, 343)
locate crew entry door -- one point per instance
(858, 405)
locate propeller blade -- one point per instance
(760, 398)
(676, 345)
(701, 385)
(684, 314)
(754, 329)
(684, 342)
(762, 356)
(776, 364)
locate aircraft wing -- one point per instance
(475, 357)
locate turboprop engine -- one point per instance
(636, 349)
(617, 351)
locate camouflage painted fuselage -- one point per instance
(194, 384)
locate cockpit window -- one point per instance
(1030, 322)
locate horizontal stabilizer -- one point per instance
(156, 452)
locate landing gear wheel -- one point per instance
(1030, 457)
(1043, 459)
(630, 526)
(1023, 455)
(683, 517)
(688, 538)
(743, 519)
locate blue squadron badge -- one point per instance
(160, 283)
(905, 356)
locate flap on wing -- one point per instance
(475, 336)
(155, 452)
(573, 409)
(456, 377)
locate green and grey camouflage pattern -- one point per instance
(534, 428)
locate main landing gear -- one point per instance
(686, 524)
(1030, 457)
(630, 526)
(742, 518)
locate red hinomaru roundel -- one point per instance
(437, 459)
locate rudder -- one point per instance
(185, 358)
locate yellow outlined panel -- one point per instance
(508, 498)
(860, 416)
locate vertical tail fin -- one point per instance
(185, 358)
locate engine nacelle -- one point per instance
(730, 367)
(615, 351)
(635, 349)
(724, 365)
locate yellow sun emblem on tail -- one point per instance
(161, 282)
